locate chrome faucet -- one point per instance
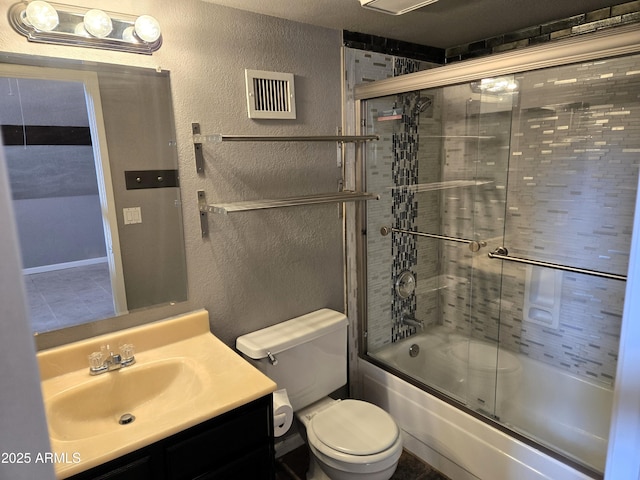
(407, 319)
(106, 360)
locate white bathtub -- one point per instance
(538, 400)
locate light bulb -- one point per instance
(97, 23)
(80, 30)
(128, 35)
(42, 16)
(147, 28)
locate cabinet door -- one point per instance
(256, 465)
(139, 469)
(220, 442)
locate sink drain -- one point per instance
(126, 419)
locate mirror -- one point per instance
(93, 168)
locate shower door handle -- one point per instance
(501, 253)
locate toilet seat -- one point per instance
(356, 436)
(355, 428)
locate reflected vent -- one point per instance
(270, 94)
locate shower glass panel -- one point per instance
(497, 253)
(440, 202)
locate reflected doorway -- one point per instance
(60, 201)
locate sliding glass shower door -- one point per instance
(497, 253)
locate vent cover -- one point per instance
(395, 7)
(270, 94)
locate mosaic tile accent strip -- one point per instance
(405, 205)
(405, 212)
(388, 46)
(623, 14)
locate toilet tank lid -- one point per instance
(291, 333)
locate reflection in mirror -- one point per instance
(93, 169)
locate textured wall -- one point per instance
(257, 268)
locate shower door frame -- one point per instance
(614, 42)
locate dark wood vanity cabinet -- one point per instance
(235, 445)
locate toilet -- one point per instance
(307, 356)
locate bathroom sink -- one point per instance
(106, 402)
(182, 376)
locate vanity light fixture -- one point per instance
(54, 23)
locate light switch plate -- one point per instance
(132, 215)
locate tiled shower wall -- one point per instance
(476, 154)
(573, 153)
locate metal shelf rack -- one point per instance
(245, 206)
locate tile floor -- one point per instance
(293, 466)
(63, 298)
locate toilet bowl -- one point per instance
(350, 439)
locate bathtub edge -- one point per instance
(461, 443)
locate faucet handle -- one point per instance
(127, 351)
(96, 360)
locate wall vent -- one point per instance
(270, 95)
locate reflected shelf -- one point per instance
(461, 137)
(440, 282)
(428, 187)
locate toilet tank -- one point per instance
(307, 355)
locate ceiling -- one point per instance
(444, 24)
